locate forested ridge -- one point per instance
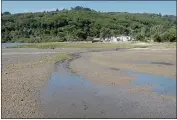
(81, 24)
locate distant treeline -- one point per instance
(83, 24)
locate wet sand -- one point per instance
(21, 85)
(24, 74)
(23, 77)
(68, 95)
(111, 68)
(157, 62)
(97, 89)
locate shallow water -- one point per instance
(5, 45)
(67, 95)
(159, 84)
(63, 91)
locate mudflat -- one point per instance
(112, 66)
(24, 73)
(123, 68)
(97, 85)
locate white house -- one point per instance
(113, 39)
(119, 38)
(124, 38)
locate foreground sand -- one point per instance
(22, 82)
(21, 86)
(24, 73)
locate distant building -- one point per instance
(96, 40)
(119, 38)
(124, 38)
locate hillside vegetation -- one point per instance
(83, 24)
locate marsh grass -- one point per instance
(53, 45)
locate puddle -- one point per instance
(159, 84)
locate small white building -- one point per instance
(119, 38)
(124, 38)
(113, 39)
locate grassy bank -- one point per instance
(52, 45)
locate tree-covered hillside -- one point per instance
(83, 24)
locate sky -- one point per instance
(163, 7)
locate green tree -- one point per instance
(169, 35)
(80, 23)
(157, 37)
(6, 13)
(140, 37)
